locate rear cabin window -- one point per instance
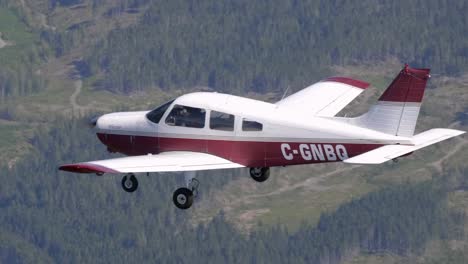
(156, 115)
(221, 121)
(186, 116)
(249, 125)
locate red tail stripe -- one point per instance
(408, 86)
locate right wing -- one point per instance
(325, 98)
(389, 152)
(163, 162)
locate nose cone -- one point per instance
(124, 121)
(105, 122)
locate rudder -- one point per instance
(397, 110)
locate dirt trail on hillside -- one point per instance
(80, 110)
(438, 164)
(310, 184)
(42, 18)
(245, 220)
(64, 69)
(77, 109)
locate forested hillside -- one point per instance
(50, 215)
(261, 46)
(20, 56)
(28, 41)
(62, 60)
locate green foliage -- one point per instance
(239, 46)
(462, 117)
(75, 33)
(398, 219)
(7, 134)
(18, 58)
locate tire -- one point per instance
(260, 174)
(183, 198)
(129, 183)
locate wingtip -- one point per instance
(86, 168)
(349, 81)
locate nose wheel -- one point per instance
(129, 183)
(183, 197)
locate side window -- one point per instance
(221, 121)
(186, 116)
(156, 115)
(248, 125)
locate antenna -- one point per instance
(285, 92)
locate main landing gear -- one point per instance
(260, 174)
(184, 196)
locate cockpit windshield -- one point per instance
(156, 115)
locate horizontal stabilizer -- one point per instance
(389, 152)
(163, 162)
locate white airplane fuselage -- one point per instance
(285, 138)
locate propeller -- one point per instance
(93, 121)
(90, 122)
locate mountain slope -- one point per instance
(48, 215)
(241, 46)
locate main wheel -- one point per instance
(260, 174)
(183, 198)
(129, 183)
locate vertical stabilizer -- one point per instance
(397, 110)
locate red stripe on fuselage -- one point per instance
(247, 153)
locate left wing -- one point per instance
(163, 162)
(325, 98)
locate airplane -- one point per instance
(208, 131)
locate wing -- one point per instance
(389, 152)
(325, 98)
(163, 162)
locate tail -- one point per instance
(397, 110)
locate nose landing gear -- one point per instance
(184, 196)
